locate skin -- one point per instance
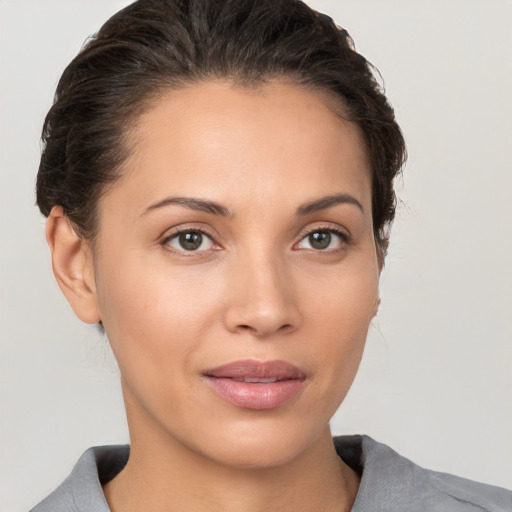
(256, 289)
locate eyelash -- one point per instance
(175, 234)
(344, 239)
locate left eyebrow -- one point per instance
(327, 202)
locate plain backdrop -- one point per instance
(436, 378)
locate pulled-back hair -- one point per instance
(156, 45)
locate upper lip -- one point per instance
(252, 369)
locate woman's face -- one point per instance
(236, 271)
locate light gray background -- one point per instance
(436, 379)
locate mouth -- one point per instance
(256, 385)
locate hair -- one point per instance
(152, 46)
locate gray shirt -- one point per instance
(389, 483)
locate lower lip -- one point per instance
(255, 395)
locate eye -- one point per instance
(189, 241)
(323, 240)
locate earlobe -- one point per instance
(72, 266)
(376, 307)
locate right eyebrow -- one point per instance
(201, 205)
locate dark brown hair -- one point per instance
(156, 45)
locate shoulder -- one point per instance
(391, 482)
(82, 490)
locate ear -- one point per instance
(73, 267)
(376, 307)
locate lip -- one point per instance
(256, 385)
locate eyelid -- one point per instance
(205, 231)
(335, 229)
(176, 231)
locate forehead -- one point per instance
(229, 143)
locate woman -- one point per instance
(218, 182)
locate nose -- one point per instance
(262, 300)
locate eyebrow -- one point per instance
(214, 208)
(200, 205)
(327, 202)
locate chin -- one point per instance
(260, 444)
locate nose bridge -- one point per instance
(263, 301)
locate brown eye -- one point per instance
(190, 241)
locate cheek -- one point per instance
(156, 322)
(151, 310)
(340, 313)
(342, 299)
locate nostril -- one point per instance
(283, 329)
